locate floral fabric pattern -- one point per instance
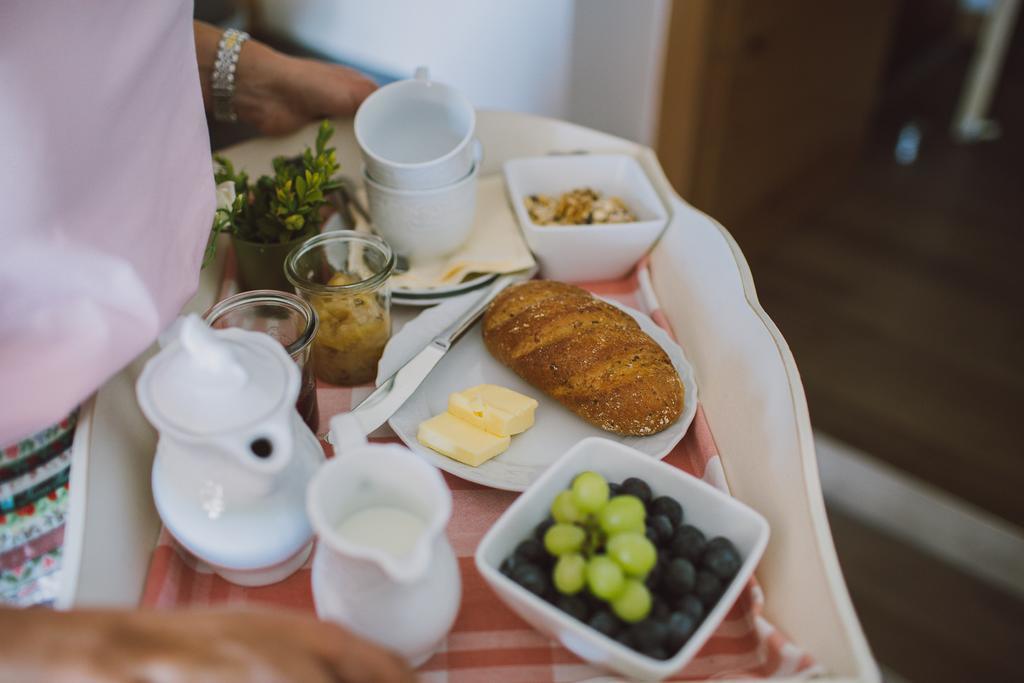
(33, 583)
(38, 442)
(33, 507)
(34, 519)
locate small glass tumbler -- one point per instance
(344, 275)
(286, 318)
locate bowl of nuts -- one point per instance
(586, 217)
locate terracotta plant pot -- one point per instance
(261, 266)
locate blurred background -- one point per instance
(866, 156)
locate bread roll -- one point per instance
(585, 353)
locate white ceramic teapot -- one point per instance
(383, 565)
(234, 457)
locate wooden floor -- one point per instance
(903, 301)
(925, 621)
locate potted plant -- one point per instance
(266, 219)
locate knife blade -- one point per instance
(378, 407)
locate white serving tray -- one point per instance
(750, 390)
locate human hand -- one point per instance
(278, 93)
(195, 645)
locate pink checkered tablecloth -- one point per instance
(489, 642)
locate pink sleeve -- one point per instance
(106, 191)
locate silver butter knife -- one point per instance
(379, 406)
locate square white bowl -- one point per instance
(587, 252)
(705, 507)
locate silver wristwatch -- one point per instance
(224, 74)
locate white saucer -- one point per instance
(429, 296)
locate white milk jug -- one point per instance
(383, 565)
(234, 458)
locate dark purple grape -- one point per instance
(653, 579)
(542, 528)
(625, 638)
(662, 527)
(637, 487)
(596, 604)
(614, 490)
(532, 550)
(648, 635)
(688, 543)
(719, 542)
(707, 588)
(605, 622)
(509, 564)
(659, 609)
(680, 626)
(722, 558)
(532, 578)
(574, 605)
(679, 576)
(669, 507)
(691, 605)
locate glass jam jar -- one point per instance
(344, 276)
(286, 318)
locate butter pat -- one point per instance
(459, 440)
(494, 409)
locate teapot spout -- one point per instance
(262, 452)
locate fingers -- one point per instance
(278, 93)
(353, 659)
(332, 90)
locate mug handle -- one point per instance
(422, 73)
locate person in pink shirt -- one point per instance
(106, 201)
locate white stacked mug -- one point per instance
(421, 162)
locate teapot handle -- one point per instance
(346, 433)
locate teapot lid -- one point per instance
(212, 381)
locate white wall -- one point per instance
(503, 54)
(595, 62)
(617, 55)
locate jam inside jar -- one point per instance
(344, 276)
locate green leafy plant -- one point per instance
(277, 208)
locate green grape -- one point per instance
(634, 552)
(590, 491)
(570, 573)
(604, 577)
(562, 539)
(623, 513)
(633, 603)
(564, 509)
